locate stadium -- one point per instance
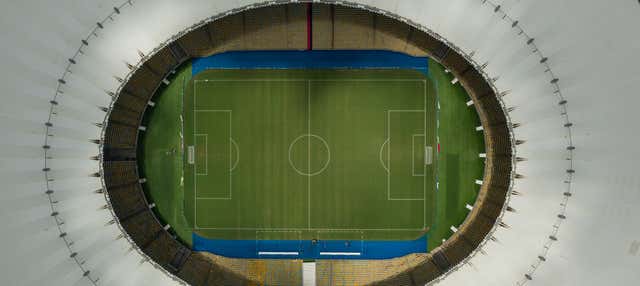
(320, 143)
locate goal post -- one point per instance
(191, 157)
(428, 155)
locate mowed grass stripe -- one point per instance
(265, 118)
(214, 157)
(352, 117)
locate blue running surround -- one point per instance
(339, 59)
(306, 249)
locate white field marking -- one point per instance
(341, 253)
(206, 155)
(257, 240)
(182, 143)
(235, 145)
(326, 145)
(308, 188)
(389, 155)
(318, 232)
(299, 232)
(253, 79)
(371, 80)
(213, 110)
(230, 113)
(343, 231)
(338, 230)
(307, 80)
(310, 229)
(381, 155)
(413, 154)
(270, 68)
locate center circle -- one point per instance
(309, 154)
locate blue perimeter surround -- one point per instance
(333, 59)
(339, 59)
(367, 249)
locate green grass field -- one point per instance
(160, 154)
(459, 164)
(304, 153)
(326, 154)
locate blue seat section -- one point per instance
(306, 249)
(334, 59)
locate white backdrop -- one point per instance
(593, 48)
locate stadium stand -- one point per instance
(296, 21)
(227, 33)
(125, 116)
(426, 43)
(456, 63)
(131, 102)
(127, 199)
(403, 279)
(364, 272)
(284, 27)
(118, 173)
(265, 29)
(163, 249)
(262, 272)
(389, 34)
(121, 179)
(120, 136)
(161, 63)
(197, 42)
(279, 27)
(323, 27)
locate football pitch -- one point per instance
(310, 154)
